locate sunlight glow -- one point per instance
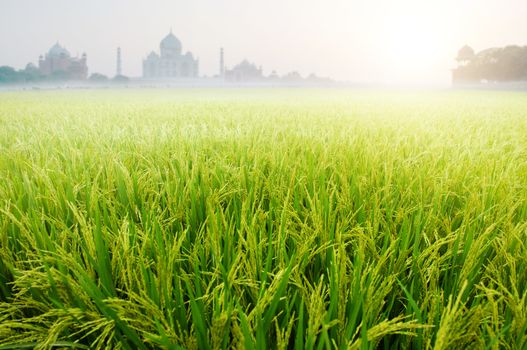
(370, 41)
(415, 40)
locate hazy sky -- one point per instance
(406, 41)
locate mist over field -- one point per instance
(404, 42)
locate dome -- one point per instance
(466, 53)
(152, 56)
(170, 42)
(58, 50)
(245, 64)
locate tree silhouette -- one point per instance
(98, 77)
(8, 75)
(494, 65)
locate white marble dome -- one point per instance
(170, 42)
(57, 51)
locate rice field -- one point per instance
(263, 219)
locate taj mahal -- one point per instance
(170, 62)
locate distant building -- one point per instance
(465, 73)
(274, 75)
(244, 72)
(58, 63)
(170, 63)
(222, 64)
(118, 68)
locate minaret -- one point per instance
(222, 64)
(119, 71)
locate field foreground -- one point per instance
(263, 219)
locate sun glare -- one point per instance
(414, 41)
(408, 48)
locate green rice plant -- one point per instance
(305, 219)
